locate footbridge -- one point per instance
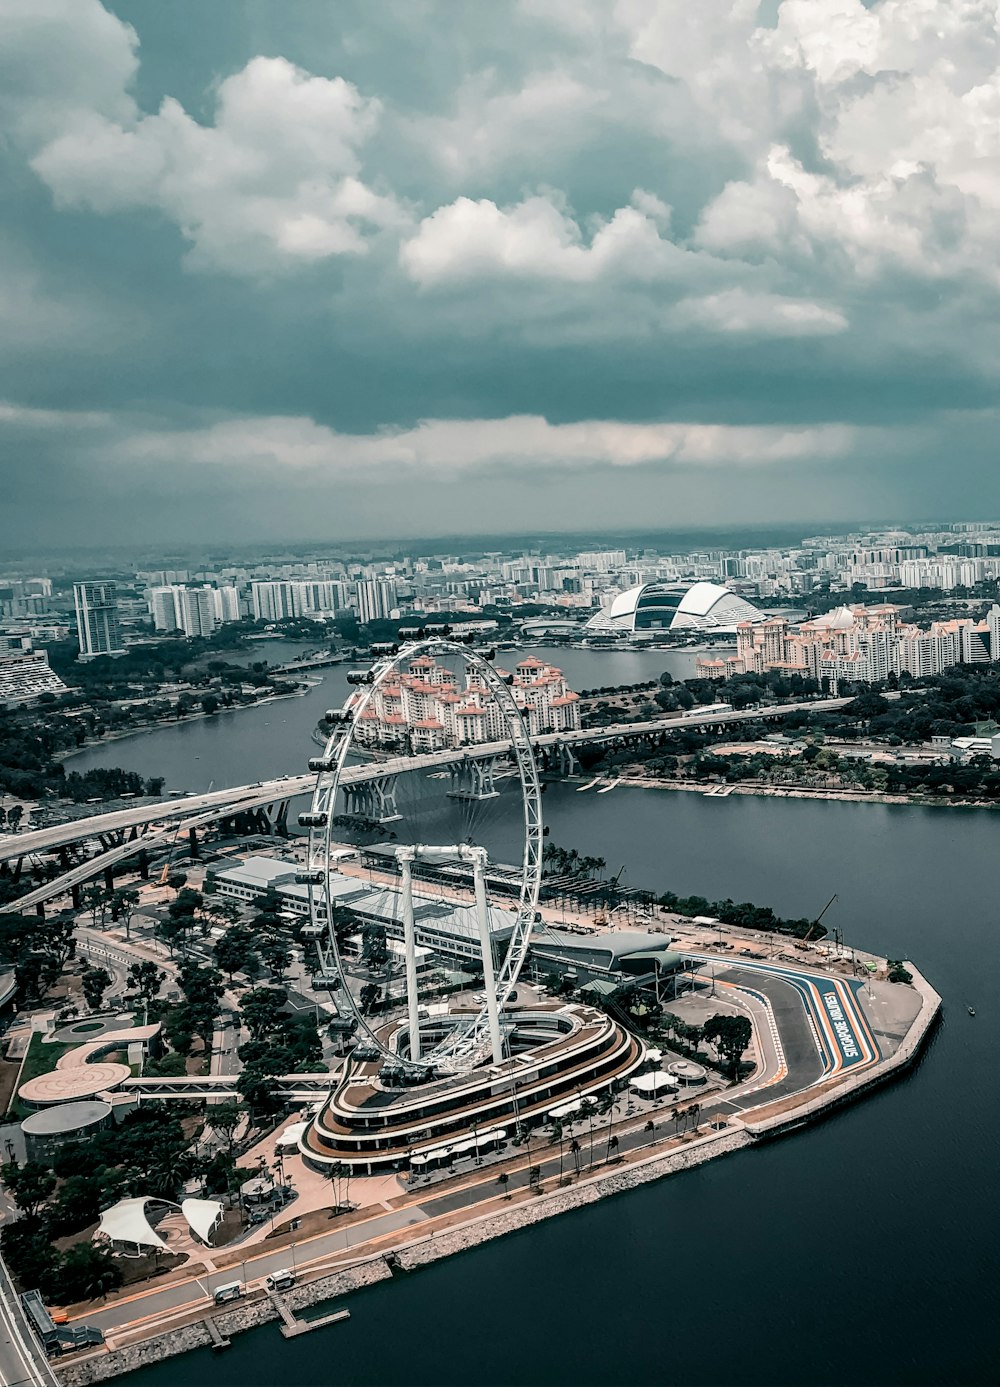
(291, 1088)
(368, 788)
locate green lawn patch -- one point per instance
(41, 1058)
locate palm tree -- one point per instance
(606, 1108)
(612, 1146)
(574, 1150)
(502, 1180)
(556, 1131)
(587, 1109)
(333, 1173)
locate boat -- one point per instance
(972, 1011)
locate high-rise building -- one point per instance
(376, 599)
(97, 619)
(163, 608)
(227, 604)
(196, 609)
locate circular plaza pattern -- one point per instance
(70, 1085)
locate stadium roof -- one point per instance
(676, 607)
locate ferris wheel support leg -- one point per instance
(489, 978)
(410, 948)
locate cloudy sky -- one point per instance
(389, 267)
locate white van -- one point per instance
(282, 1280)
(232, 1290)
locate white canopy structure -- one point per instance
(203, 1216)
(289, 1138)
(126, 1222)
(648, 1085)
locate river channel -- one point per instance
(863, 1250)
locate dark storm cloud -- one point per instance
(248, 248)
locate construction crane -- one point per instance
(173, 843)
(815, 924)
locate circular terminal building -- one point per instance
(558, 1055)
(45, 1131)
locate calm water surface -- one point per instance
(863, 1250)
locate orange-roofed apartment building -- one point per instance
(857, 644)
(427, 707)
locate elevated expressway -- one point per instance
(144, 824)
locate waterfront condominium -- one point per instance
(97, 619)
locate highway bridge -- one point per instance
(124, 832)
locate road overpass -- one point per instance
(221, 804)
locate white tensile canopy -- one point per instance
(290, 1136)
(126, 1222)
(203, 1216)
(645, 1084)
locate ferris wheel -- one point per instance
(452, 822)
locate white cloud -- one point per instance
(445, 447)
(760, 315)
(24, 416)
(536, 239)
(60, 59)
(273, 181)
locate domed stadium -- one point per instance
(661, 606)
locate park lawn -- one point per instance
(41, 1058)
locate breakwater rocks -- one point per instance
(589, 1191)
(248, 1314)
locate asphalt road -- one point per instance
(22, 1359)
(257, 1265)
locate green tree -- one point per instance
(503, 1179)
(234, 950)
(96, 899)
(256, 1086)
(369, 996)
(557, 1135)
(28, 1251)
(95, 982)
(374, 947)
(730, 1035)
(145, 979)
(261, 1010)
(276, 954)
(84, 1272)
(29, 1184)
(588, 1111)
(123, 903)
(77, 1204)
(224, 1118)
